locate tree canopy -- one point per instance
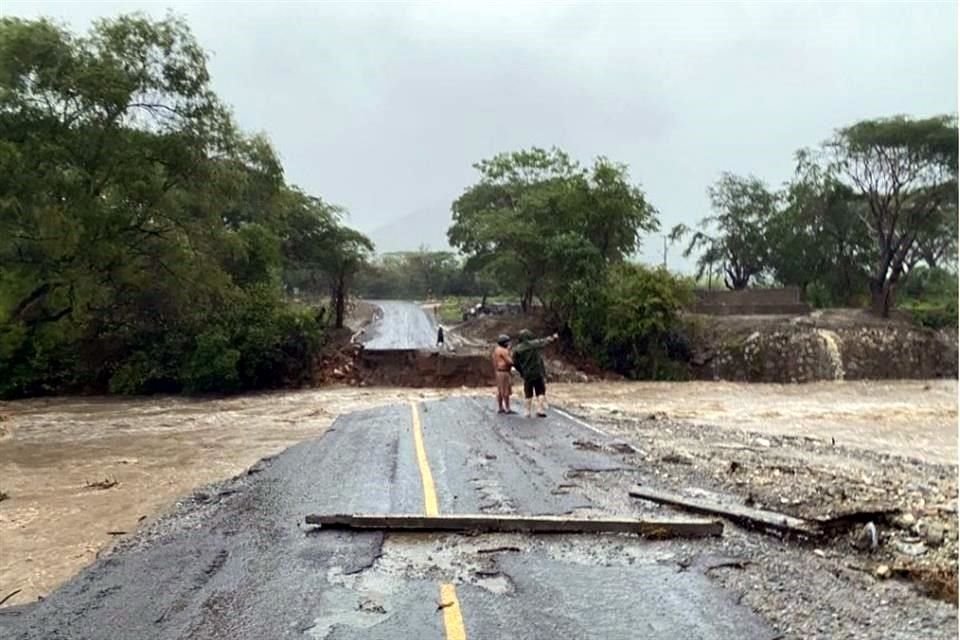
(906, 172)
(537, 220)
(733, 238)
(143, 236)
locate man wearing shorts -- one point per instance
(502, 363)
(528, 361)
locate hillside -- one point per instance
(426, 227)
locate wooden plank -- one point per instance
(742, 514)
(520, 524)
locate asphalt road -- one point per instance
(401, 325)
(236, 561)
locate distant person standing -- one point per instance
(528, 360)
(439, 336)
(502, 363)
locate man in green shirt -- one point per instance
(528, 360)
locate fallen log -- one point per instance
(520, 524)
(743, 515)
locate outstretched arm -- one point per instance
(542, 342)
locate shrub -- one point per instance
(629, 322)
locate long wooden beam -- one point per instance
(742, 514)
(520, 524)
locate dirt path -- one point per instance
(158, 449)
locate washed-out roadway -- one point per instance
(236, 561)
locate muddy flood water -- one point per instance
(78, 473)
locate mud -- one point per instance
(915, 419)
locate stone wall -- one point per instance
(805, 352)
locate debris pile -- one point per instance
(887, 516)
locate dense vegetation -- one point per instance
(145, 242)
(872, 211)
(549, 229)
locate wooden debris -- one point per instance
(746, 516)
(106, 483)
(521, 524)
(10, 595)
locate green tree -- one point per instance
(627, 322)
(817, 238)
(906, 171)
(735, 235)
(537, 220)
(141, 233)
(323, 253)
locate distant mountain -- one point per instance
(423, 227)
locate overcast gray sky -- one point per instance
(383, 107)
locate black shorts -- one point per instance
(537, 385)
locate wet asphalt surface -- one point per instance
(401, 325)
(236, 561)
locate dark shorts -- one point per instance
(537, 386)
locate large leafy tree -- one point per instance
(141, 233)
(537, 220)
(818, 237)
(906, 172)
(734, 236)
(322, 252)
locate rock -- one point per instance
(911, 549)
(866, 538)
(883, 572)
(905, 521)
(820, 553)
(934, 534)
(763, 442)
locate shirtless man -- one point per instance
(502, 363)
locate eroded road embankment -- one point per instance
(236, 560)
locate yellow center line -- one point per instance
(429, 490)
(452, 619)
(450, 604)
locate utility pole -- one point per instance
(664, 252)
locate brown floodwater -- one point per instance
(53, 451)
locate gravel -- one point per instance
(807, 588)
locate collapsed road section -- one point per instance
(238, 561)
